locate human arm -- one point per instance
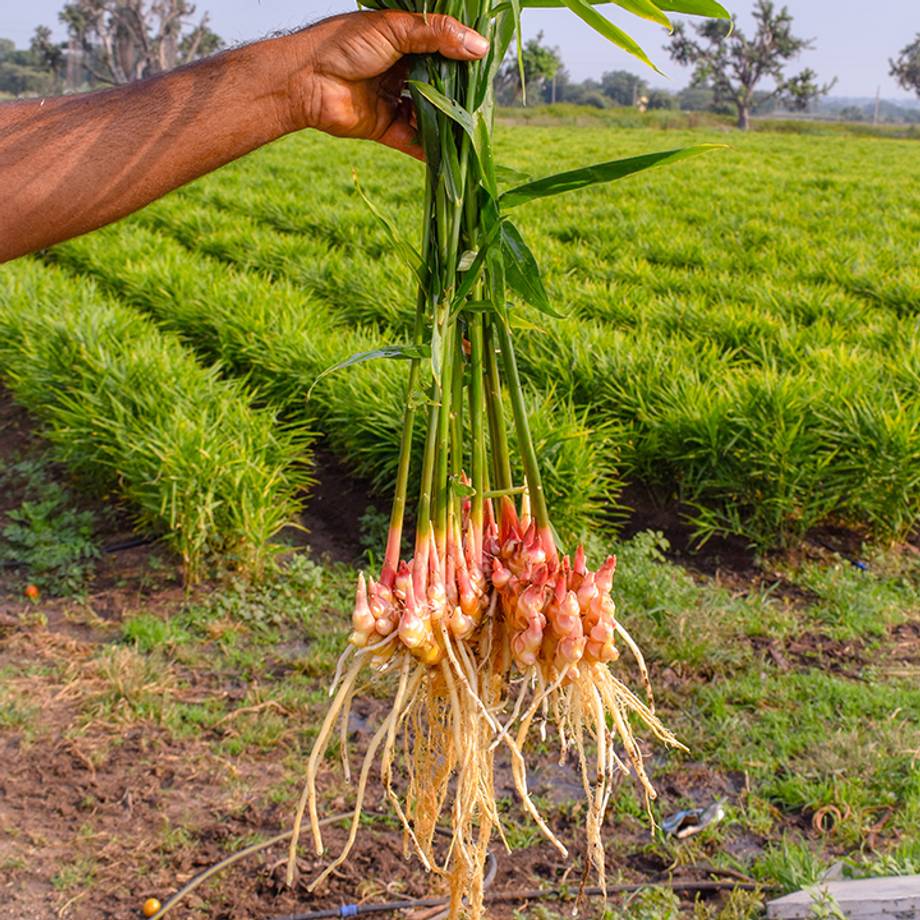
(71, 164)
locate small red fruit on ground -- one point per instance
(32, 592)
(151, 906)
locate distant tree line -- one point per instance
(116, 41)
(108, 42)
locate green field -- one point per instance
(739, 337)
(739, 331)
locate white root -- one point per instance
(308, 796)
(379, 735)
(640, 662)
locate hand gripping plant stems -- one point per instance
(487, 629)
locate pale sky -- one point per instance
(854, 40)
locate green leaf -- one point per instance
(601, 172)
(697, 8)
(476, 128)
(495, 264)
(508, 174)
(461, 489)
(450, 168)
(516, 13)
(690, 7)
(409, 254)
(501, 41)
(482, 142)
(521, 270)
(603, 26)
(647, 10)
(450, 107)
(399, 352)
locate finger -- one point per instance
(415, 33)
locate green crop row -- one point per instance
(280, 341)
(748, 353)
(128, 408)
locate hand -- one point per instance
(352, 69)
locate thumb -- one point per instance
(415, 33)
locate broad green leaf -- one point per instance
(522, 271)
(450, 167)
(603, 26)
(508, 174)
(409, 254)
(461, 489)
(450, 107)
(600, 172)
(403, 352)
(647, 10)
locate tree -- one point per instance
(126, 40)
(734, 66)
(48, 55)
(623, 87)
(540, 64)
(906, 69)
(662, 99)
(21, 72)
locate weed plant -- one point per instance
(46, 536)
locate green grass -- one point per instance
(129, 410)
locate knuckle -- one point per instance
(444, 26)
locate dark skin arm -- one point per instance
(71, 164)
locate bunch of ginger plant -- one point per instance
(488, 627)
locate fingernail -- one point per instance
(475, 43)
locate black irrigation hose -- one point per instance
(533, 894)
(358, 910)
(202, 877)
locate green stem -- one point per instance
(522, 426)
(397, 513)
(477, 397)
(442, 483)
(501, 458)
